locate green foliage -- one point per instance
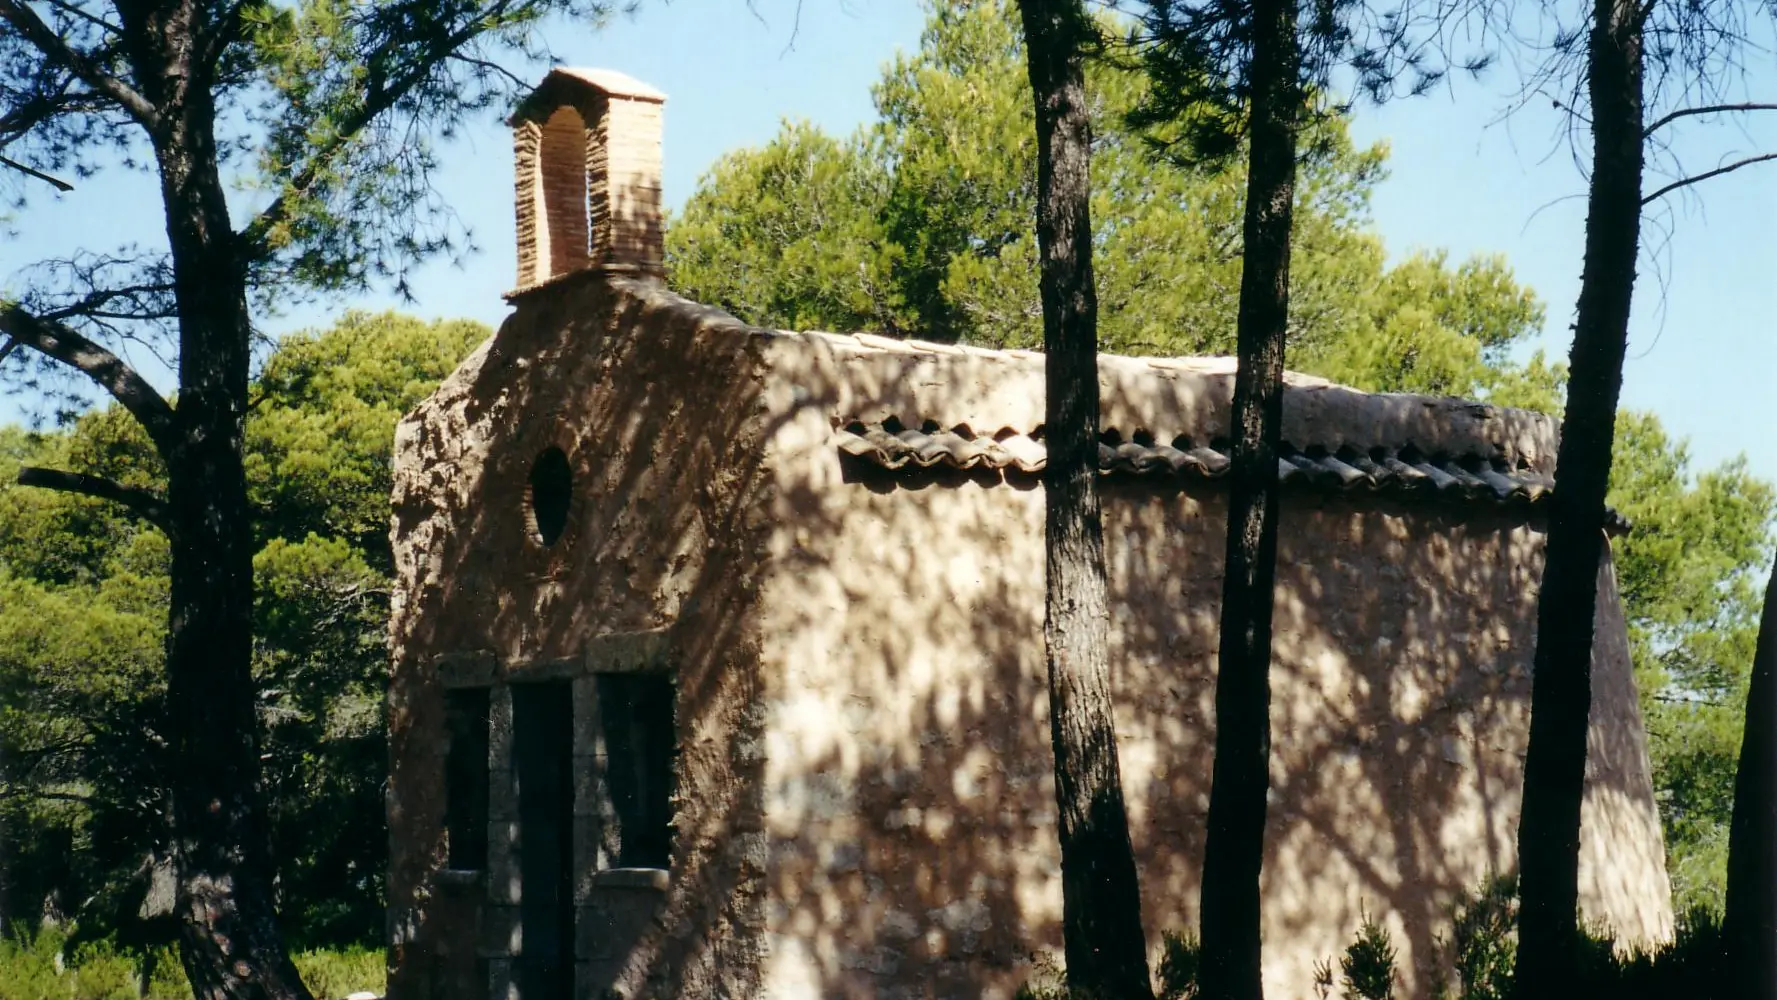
(1047, 981)
(1484, 942)
(52, 965)
(1181, 958)
(1367, 969)
(1482, 948)
(923, 224)
(789, 228)
(342, 973)
(1691, 575)
(81, 637)
(329, 110)
(318, 454)
(1176, 973)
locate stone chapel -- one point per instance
(718, 665)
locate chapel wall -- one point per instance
(651, 401)
(909, 794)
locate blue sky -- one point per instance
(1703, 346)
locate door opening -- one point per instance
(543, 738)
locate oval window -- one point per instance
(552, 493)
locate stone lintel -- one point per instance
(459, 880)
(465, 668)
(531, 671)
(648, 879)
(627, 652)
(612, 653)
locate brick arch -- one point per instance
(561, 164)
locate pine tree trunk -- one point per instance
(230, 942)
(1750, 924)
(1101, 899)
(1234, 854)
(1561, 692)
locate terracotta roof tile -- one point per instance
(610, 81)
(1403, 474)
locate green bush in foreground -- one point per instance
(1477, 957)
(1483, 946)
(43, 966)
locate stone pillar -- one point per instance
(503, 883)
(499, 931)
(595, 821)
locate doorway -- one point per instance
(543, 746)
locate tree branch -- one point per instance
(49, 102)
(491, 67)
(382, 97)
(1708, 109)
(61, 342)
(223, 33)
(46, 796)
(33, 30)
(93, 303)
(56, 182)
(75, 10)
(145, 505)
(1705, 175)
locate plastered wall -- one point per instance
(657, 415)
(909, 795)
(864, 802)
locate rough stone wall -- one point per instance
(909, 797)
(653, 401)
(864, 802)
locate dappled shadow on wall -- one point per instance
(910, 790)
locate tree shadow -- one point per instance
(865, 801)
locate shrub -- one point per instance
(43, 966)
(28, 965)
(1483, 950)
(1367, 970)
(331, 975)
(1046, 981)
(1177, 973)
(1483, 942)
(1688, 967)
(1180, 957)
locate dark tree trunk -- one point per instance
(1561, 692)
(230, 942)
(1750, 924)
(1101, 899)
(1235, 850)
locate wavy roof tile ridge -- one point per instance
(1170, 395)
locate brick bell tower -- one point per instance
(586, 147)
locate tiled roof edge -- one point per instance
(1401, 473)
(1192, 395)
